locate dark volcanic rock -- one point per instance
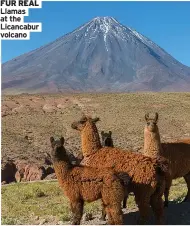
(8, 172)
(101, 55)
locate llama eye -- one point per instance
(148, 123)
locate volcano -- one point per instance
(100, 56)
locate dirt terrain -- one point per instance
(29, 120)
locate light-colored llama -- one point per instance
(177, 153)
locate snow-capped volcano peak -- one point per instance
(105, 23)
(110, 26)
(103, 27)
(101, 55)
(105, 19)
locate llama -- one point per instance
(81, 183)
(107, 140)
(147, 174)
(177, 153)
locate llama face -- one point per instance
(151, 126)
(151, 123)
(107, 139)
(82, 123)
(79, 125)
(58, 149)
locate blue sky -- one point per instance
(165, 23)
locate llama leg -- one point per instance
(125, 198)
(166, 191)
(144, 207)
(106, 206)
(103, 217)
(110, 218)
(77, 211)
(157, 205)
(125, 202)
(187, 179)
(117, 214)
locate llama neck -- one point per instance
(90, 139)
(62, 169)
(152, 143)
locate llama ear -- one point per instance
(73, 125)
(110, 133)
(52, 139)
(146, 116)
(83, 118)
(156, 117)
(62, 139)
(102, 133)
(95, 119)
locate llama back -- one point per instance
(127, 161)
(185, 140)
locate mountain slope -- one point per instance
(101, 55)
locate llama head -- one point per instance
(83, 122)
(58, 151)
(151, 123)
(107, 139)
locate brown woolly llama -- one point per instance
(107, 140)
(81, 183)
(147, 174)
(177, 153)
